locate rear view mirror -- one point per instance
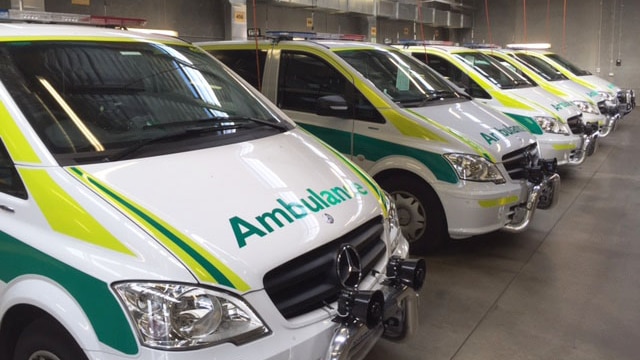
(332, 105)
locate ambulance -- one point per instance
(623, 99)
(456, 168)
(557, 123)
(592, 104)
(152, 206)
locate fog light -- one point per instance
(364, 306)
(409, 272)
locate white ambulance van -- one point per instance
(557, 123)
(455, 167)
(623, 99)
(591, 103)
(154, 207)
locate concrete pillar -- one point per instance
(238, 19)
(372, 28)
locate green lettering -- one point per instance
(291, 208)
(328, 197)
(262, 219)
(342, 193)
(489, 138)
(237, 224)
(360, 189)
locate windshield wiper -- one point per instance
(220, 122)
(200, 126)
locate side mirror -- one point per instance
(332, 105)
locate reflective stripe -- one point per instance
(497, 202)
(480, 150)
(65, 215)
(93, 295)
(16, 143)
(204, 266)
(563, 147)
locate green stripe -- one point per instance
(375, 149)
(527, 122)
(94, 296)
(194, 254)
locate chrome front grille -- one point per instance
(518, 162)
(309, 282)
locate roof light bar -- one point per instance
(530, 46)
(308, 35)
(426, 43)
(43, 16)
(481, 46)
(67, 18)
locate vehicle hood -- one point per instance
(579, 92)
(231, 213)
(598, 83)
(545, 101)
(473, 124)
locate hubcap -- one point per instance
(43, 355)
(411, 214)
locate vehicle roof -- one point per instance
(13, 30)
(330, 44)
(445, 48)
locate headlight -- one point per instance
(608, 96)
(475, 168)
(181, 317)
(393, 222)
(551, 125)
(586, 107)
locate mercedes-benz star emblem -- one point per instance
(348, 267)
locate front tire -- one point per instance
(420, 212)
(45, 339)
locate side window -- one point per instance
(306, 82)
(10, 182)
(457, 76)
(243, 62)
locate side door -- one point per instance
(317, 97)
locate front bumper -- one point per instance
(319, 335)
(627, 101)
(563, 148)
(541, 195)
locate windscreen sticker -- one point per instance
(288, 212)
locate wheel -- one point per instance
(420, 212)
(44, 339)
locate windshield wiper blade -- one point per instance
(186, 133)
(200, 126)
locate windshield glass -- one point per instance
(90, 100)
(541, 67)
(568, 65)
(407, 81)
(492, 70)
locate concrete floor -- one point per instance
(567, 288)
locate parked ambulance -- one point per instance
(591, 103)
(455, 167)
(557, 123)
(624, 98)
(152, 206)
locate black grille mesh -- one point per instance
(517, 162)
(309, 282)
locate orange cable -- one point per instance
(486, 10)
(255, 23)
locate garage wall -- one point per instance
(193, 19)
(596, 32)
